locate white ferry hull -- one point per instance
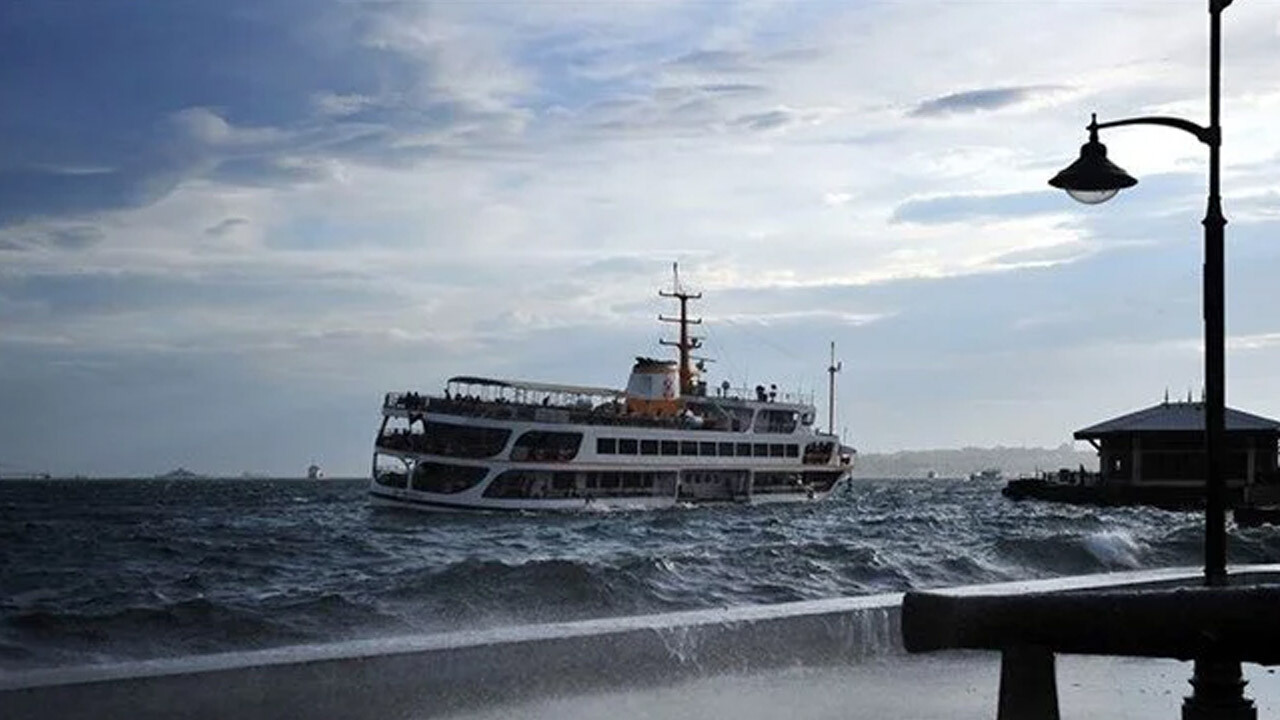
(382, 497)
(380, 500)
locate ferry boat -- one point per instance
(491, 444)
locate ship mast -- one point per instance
(832, 369)
(687, 342)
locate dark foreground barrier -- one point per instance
(1179, 623)
(1218, 627)
(429, 676)
(440, 675)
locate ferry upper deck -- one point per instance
(730, 409)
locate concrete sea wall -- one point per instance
(434, 675)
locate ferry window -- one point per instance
(562, 481)
(741, 419)
(817, 453)
(744, 449)
(688, 447)
(760, 450)
(592, 481)
(462, 441)
(713, 416)
(609, 480)
(707, 448)
(670, 447)
(606, 446)
(390, 478)
(793, 451)
(631, 480)
(546, 446)
(447, 479)
(726, 449)
(517, 484)
(648, 447)
(777, 451)
(777, 421)
(390, 471)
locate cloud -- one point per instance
(1258, 341)
(826, 317)
(31, 193)
(383, 194)
(57, 237)
(226, 226)
(77, 237)
(253, 93)
(715, 60)
(963, 208)
(983, 100)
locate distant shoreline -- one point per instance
(943, 464)
(192, 480)
(937, 464)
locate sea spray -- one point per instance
(1116, 549)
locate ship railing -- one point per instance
(405, 401)
(753, 394)
(498, 407)
(574, 415)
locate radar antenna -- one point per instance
(687, 343)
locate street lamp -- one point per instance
(1093, 179)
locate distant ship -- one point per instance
(179, 474)
(988, 474)
(314, 472)
(18, 475)
(490, 444)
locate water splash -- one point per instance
(1116, 549)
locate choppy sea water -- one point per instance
(99, 571)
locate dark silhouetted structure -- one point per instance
(1217, 680)
(1158, 453)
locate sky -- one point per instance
(227, 227)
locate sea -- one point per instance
(101, 571)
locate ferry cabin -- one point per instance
(494, 444)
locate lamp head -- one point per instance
(1092, 178)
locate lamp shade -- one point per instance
(1092, 178)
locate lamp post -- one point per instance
(1093, 179)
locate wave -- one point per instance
(98, 571)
